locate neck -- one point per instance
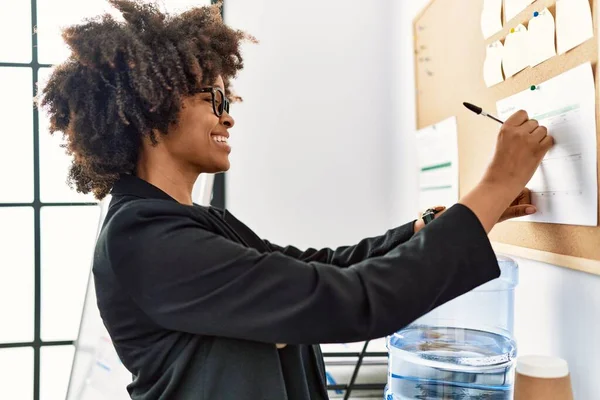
(172, 180)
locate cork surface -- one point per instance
(449, 56)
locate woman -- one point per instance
(197, 305)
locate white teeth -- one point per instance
(220, 139)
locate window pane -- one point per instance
(16, 274)
(55, 370)
(54, 162)
(68, 235)
(16, 371)
(15, 23)
(54, 15)
(16, 155)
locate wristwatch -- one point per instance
(429, 215)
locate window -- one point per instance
(55, 370)
(67, 238)
(17, 269)
(16, 155)
(17, 364)
(47, 230)
(15, 25)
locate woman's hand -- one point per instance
(520, 207)
(420, 224)
(520, 148)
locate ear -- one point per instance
(152, 139)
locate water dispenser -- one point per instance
(463, 349)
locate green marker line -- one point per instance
(436, 166)
(554, 113)
(431, 188)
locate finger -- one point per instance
(530, 125)
(518, 211)
(539, 133)
(525, 197)
(547, 143)
(438, 209)
(280, 345)
(517, 119)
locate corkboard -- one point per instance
(449, 56)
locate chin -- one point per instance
(215, 167)
(222, 166)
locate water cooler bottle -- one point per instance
(463, 349)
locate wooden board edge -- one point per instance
(422, 12)
(575, 263)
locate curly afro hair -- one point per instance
(127, 79)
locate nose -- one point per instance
(227, 120)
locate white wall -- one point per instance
(323, 153)
(311, 159)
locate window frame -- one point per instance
(218, 200)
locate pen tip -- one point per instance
(474, 108)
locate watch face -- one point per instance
(428, 216)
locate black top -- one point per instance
(194, 301)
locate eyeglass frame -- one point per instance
(212, 91)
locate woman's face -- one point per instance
(199, 139)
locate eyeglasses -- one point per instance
(219, 101)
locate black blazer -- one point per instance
(195, 301)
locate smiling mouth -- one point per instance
(220, 139)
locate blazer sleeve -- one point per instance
(188, 279)
(346, 256)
